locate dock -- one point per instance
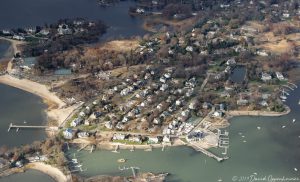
(11, 126)
(209, 154)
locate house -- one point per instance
(162, 80)
(262, 53)
(120, 126)
(108, 125)
(119, 136)
(280, 76)
(83, 134)
(153, 140)
(164, 87)
(18, 37)
(167, 75)
(231, 62)
(68, 134)
(242, 102)
(19, 164)
(227, 69)
(285, 15)
(218, 114)
(264, 103)
(193, 105)
(6, 32)
(166, 139)
(64, 29)
(206, 105)
(157, 121)
(266, 77)
(189, 48)
(189, 92)
(140, 10)
(136, 139)
(97, 114)
(76, 122)
(185, 113)
(125, 120)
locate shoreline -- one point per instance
(258, 113)
(49, 170)
(53, 172)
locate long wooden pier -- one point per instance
(31, 127)
(206, 152)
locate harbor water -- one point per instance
(259, 146)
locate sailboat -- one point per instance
(282, 96)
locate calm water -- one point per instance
(5, 49)
(238, 74)
(28, 176)
(17, 106)
(38, 12)
(268, 151)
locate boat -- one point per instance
(244, 141)
(283, 126)
(220, 179)
(282, 96)
(294, 120)
(121, 160)
(295, 169)
(243, 136)
(79, 165)
(258, 128)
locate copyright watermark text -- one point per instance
(269, 178)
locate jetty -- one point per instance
(11, 126)
(206, 152)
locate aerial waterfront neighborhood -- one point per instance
(200, 66)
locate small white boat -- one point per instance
(295, 169)
(258, 128)
(24, 122)
(220, 179)
(283, 126)
(244, 141)
(243, 136)
(240, 133)
(79, 165)
(121, 160)
(294, 120)
(255, 173)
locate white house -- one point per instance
(108, 125)
(266, 77)
(68, 133)
(153, 140)
(280, 76)
(156, 121)
(18, 37)
(164, 87)
(231, 62)
(119, 136)
(140, 10)
(262, 53)
(189, 48)
(166, 139)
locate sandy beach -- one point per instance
(32, 87)
(57, 110)
(53, 172)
